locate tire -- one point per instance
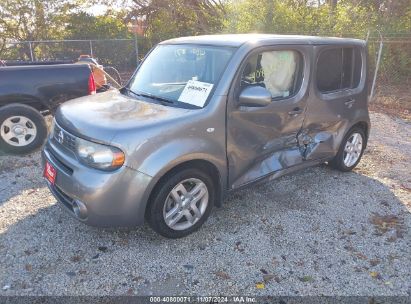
(340, 161)
(162, 202)
(25, 119)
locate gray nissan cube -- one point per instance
(202, 117)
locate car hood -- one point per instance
(100, 117)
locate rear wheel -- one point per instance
(351, 150)
(22, 129)
(181, 203)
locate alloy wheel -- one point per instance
(185, 204)
(353, 149)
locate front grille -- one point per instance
(62, 197)
(62, 166)
(64, 138)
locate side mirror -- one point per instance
(255, 96)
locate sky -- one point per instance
(97, 9)
(101, 9)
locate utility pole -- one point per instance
(91, 48)
(31, 51)
(135, 27)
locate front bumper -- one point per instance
(95, 197)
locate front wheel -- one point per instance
(181, 203)
(22, 129)
(351, 150)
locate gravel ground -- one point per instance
(316, 232)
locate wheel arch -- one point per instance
(335, 162)
(28, 100)
(365, 126)
(202, 164)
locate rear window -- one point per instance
(338, 69)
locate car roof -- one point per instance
(236, 40)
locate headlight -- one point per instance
(99, 156)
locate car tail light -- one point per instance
(91, 85)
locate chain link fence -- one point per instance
(395, 61)
(121, 54)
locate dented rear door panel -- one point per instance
(329, 116)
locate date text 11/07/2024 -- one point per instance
(203, 299)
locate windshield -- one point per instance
(183, 75)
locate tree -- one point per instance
(28, 20)
(173, 18)
(82, 25)
(351, 18)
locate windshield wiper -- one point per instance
(148, 95)
(128, 90)
(156, 97)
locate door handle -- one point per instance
(295, 111)
(349, 103)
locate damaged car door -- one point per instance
(262, 137)
(335, 100)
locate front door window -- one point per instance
(277, 71)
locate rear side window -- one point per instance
(338, 69)
(280, 72)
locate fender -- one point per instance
(181, 151)
(20, 90)
(361, 117)
(27, 99)
(325, 141)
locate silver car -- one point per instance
(204, 116)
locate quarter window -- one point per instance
(338, 69)
(280, 72)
